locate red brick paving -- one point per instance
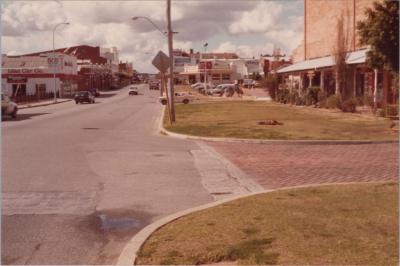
(285, 165)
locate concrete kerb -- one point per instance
(263, 141)
(131, 250)
(43, 104)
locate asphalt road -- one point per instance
(78, 181)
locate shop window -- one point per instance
(216, 77)
(226, 76)
(18, 90)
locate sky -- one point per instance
(248, 28)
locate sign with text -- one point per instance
(205, 65)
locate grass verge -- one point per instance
(239, 119)
(338, 224)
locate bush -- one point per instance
(283, 95)
(312, 94)
(333, 102)
(392, 110)
(349, 105)
(322, 97)
(300, 101)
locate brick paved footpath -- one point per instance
(284, 165)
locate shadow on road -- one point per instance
(21, 117)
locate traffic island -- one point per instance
(241, 120)
(330, 225)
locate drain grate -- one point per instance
(91, 128)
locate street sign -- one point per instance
(161, 62)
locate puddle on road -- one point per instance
(120, 223)
(109, 223)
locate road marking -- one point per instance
(70, 202)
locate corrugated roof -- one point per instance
(357, 57)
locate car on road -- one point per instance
(84, 97)
(95, 92)
(179, 97)
(8, 107)
(133, 90)
(249, 83)
(154, 85)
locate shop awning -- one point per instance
(357, 57)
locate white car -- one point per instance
(179, 97)
(249, 83)
(8, 107)
(133, 91)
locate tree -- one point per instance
(380, 30)
(340, 55)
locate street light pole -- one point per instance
(54, 59)
(205, 68)
(171, 60)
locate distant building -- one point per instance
(216, 68)
(94, 70)
(31, 77)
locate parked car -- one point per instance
(194, 86)
(84, 97)
(8, 107)
(249, 83)
(95, 92)
(179, 97)
(220, 89)
(203, 89)
(133, 91)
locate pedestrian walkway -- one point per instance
(284, 165)
(42, 103)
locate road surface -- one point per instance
(78, 181)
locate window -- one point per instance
(226, 76)
(216, 77)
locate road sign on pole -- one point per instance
(161, 62)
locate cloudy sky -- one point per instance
(248, 28)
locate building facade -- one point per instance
(25, 77)
(314, 58)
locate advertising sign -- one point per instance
(181, 61)
(205, 65)
(17, 80)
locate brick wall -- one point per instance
(321, 19)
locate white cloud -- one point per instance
(27, 26)
(262, 18)
(245, 51)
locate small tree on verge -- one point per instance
(340, 56)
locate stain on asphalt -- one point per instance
(158, 155)
(120, 224)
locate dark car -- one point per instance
(95, 92)
(154, 85)
(84, 97)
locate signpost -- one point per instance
(161, 62)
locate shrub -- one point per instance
(282, 95)
(333, 102)
(312, 94)
(349, 105)
(322, 97)
(300, 100)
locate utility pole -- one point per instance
(171, 61)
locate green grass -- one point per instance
(328, 225)
(239, 119)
